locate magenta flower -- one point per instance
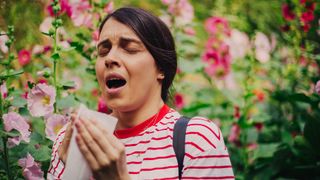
(65, 8)
(179, 101)
(3, 40)
(217, 61)
(53, 124)
(41, 99)
(287, 12)
(217, 25)
(306, 17)
(24, 57)
(102, 106)
(3, 90)
(30, 169)
(317, 87)
(13, 120)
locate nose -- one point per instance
(111, 59)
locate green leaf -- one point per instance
(66, 102)
(196, 107)
(265, 150)
(47, 34)
(19, 102)
(13, 133)
(300, 97)
(311, 132)
(13, 73)
(78, 46)
(68, 85)
(55, 56)
(42, 154)
(68, 49)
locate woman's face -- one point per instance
(126, 71)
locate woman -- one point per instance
(135, 67)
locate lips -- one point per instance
(114, 82)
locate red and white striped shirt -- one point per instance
(150, 153)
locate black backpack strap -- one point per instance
(179, 136)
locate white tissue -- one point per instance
(76, 165)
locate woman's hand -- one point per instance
(63, 149)
(104, 153)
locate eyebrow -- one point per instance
(122, 39)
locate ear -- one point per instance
(160, 76)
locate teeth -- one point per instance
(114, 79)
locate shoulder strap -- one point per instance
(179, 136)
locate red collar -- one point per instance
(130, 132)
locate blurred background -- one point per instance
(252, 67)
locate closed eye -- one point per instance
(104, 48)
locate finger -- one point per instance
(104, 143)
(113, 141)
(87, 154)
(62, 151)
(91, 143)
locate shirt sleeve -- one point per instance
(56, 167)
(206, 156)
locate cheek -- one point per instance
(99, 70)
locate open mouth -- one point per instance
(114, 83)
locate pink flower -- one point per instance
(234, 133)
(13, 120)
(217, 61)
(37, 49)
(3, 90)
(239, 44)
(65, 8)
(179, 101)
(183, 12)
(168, 2)
(24, 57)
(306, 17)
(95, 36)
(80, 15)
(53, 124)
(102, 106)
(30, 169)
(109, 7)
(46, 24)
(252, 146)
(41, 99)
(189, 31)
(317, 87)
(217, 25)
(262, 47)
(3, 40)
(287, 12)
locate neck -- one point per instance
(138, 115)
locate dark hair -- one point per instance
(157, 38)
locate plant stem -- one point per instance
(5, 157)
(55, 66)
(4, 139)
